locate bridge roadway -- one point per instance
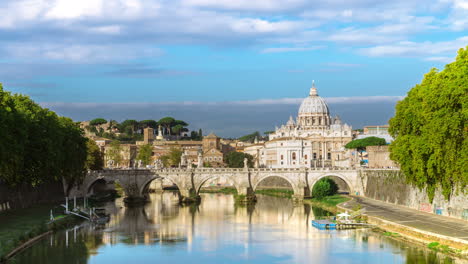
(135, 182)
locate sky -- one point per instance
(150, 58)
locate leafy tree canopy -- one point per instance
(236, 159)
(145, 153)
(97, 122)
(94, 159)
(324, 187)
(172, 158)
(36, 145)
(148, 123)
(430, 130)
(362, 143)
(251, 137)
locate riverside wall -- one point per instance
(389, 186)
(24, 196)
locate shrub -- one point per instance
(324, 187)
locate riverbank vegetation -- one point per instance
(431, 130)
(37, 145)
(21, 225)
(287, 193)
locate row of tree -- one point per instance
(37, 146)
(131, 130)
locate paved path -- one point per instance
(442, 225)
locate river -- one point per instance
(274, 230)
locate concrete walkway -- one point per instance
(426, 222)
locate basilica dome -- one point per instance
(313, 104)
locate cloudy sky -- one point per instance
(109, 57)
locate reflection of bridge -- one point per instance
(135, 182)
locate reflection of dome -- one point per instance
(313, 104)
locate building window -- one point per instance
(305, 156)
(315, 156)
(281, 157)
(294, 155)
(329, 155)
(306, 162)
(281, 163)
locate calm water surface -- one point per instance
(273, 231)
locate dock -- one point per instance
(327, 224)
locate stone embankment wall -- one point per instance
(389, 186)
(25, 196)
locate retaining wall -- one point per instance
(389, 186)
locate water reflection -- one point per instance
(273, 231)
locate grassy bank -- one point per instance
(329, 202)
(225, 190)
(276, 192)
(19, 226)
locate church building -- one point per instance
(314, 139)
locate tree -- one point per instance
(361, 144)
(94, 159)
(148, 123)
(200, 134)
(364, 142)
(115, 152)
(145, 153)
(324, 187)
(36, 145)
(430, 130)
(167, 123)
(128, 126)
(236, 159)
(172, 158)
(97, 122)
(251, 137)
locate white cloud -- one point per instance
(289, 49)
(415, 49)
(247, 5)
(441, 59)
(80, 53)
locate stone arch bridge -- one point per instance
(135, 182)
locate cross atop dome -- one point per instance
(313, 90)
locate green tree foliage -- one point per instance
(167, 123)
(430, 130)
(361, 144)
(145, 153)
(172, 158)
(148, 123)
(115, 152)
(97, 122)
(236, 159)
(36, 145)
(251, 137)
(128, 126)
(94, 159)
(324, 187)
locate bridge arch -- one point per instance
(333, 176)
(145, 185)
(293, 184)
(214, 177)
(96, 184)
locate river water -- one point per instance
(273, 231)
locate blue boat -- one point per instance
(323, 224)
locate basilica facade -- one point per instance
(313, 139)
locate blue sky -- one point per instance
(132, 51)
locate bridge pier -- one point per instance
(188, 195)
(245, 195)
